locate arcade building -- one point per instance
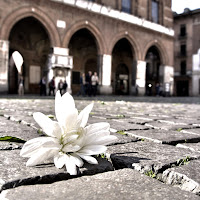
(129, 43)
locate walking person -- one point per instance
(60, 86)
(43, 86)
(95, 82)
(82, 90)
(65, 85)
(21, 86)
(88, 83)
(52, 86)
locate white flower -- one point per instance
(69, 139)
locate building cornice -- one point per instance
(116, 14)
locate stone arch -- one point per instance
(161, 50)
(35, 12)
(135, 46)
(90, 27)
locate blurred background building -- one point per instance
(129, 43)
(187, 53)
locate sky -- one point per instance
(179, 5)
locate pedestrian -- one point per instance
(60, 86)
(88, 83)
(52, 86)
(21, 86)
(82, 90)
(43, 86)
(161, 90)
(95, 82)
(157, 89)
(65, 85)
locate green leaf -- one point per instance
(122, 132)
(12, 139)
(51, 116)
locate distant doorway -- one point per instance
(153, 73)
(30, 38)
(122, 80)
(182, 88)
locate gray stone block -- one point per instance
(15, 173)
(186, 176)
(147, 156)
(121, 184)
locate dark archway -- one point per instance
(154, 76)
(122, 80)
(123, 68)
(83, 48)
(29, 37)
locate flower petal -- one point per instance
(84, 115)
(89, 159)
(65, 110)
(71, 148)
(59, 160)
(104, 140)
(101, 126)
(41, 156)
(51, 128)
(92, 150)
(32, 146)
(70, 165)
(77, 160)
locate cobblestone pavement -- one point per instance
(157, 155)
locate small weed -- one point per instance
(122, 132)
(120, 116)
(183, 161)
(51, 116)
(179, 129)
(103, 155)
(150, 173)
(39, 131)
(142, 139)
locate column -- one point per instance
(196, 74)
(168, 80)
(141, 77)
(4, 49)
(106, 87)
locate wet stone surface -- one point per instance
(157, 155)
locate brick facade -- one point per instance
(99, 36)
(187, 53)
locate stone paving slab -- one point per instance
(120, 184)
(118, 124)
(15, 129)
(164, 136)
(14, 171)
(191, 146)
(186, 176)
(147, 156)
(195, 131)
(181, 121)
(168, 126)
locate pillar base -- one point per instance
(105, 89)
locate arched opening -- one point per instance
(83, 48)
(154, 76)
(29, 37)
(122, 78)
(123, 68)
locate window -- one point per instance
(183, 67)
(182, 30)
(126, 6)
(155, 11)
(183, 49)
